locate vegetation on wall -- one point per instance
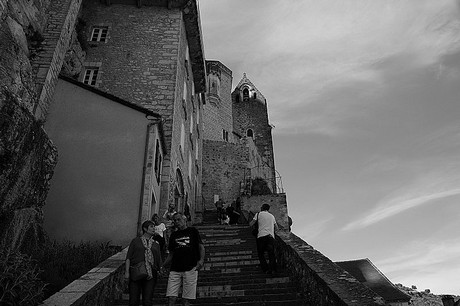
(20, 283)
(64, 262)
(29, 279)
(260, 187)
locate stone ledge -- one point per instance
(97, 287)
(323, 282)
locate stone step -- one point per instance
(223, 302)
(238, 282)
(231, 273)
(265, 299)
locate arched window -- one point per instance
(245, 94)
(179, 191)
(250, 133)
(255, 95)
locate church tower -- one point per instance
(250, 120)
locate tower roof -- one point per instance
(245, 81)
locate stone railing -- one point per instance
(322, 281)
(97, 287)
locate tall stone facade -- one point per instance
(237, 146)
(218, 113)
(152, 55)
(250, 119)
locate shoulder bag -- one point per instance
(138, 271)
(255, 227)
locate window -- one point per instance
(191, 123)
(90, 76)
(99, 34)
(190, 165)
(225, 135)
(182, 137)
(198, 116)
(255, 95)
(196, 149)
(245, 94)
(250, 133)
(184, 97)
(158, 162)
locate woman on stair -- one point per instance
(143, 251)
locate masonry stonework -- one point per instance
(225, 170)
(252, 114)
(218, 108)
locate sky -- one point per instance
(365, 99)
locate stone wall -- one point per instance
(218, 108)
(277, 202)
(323, 282)
(253, 114)
(224, 168)
(47, 63)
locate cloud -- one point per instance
(427, 190)
(306, 55)
(313, 229)
(430, 263)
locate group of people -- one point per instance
(226, 214)
(185, 257)
(265, 236)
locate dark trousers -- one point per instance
(143, 286)
(266, 244)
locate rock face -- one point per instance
(27, 156)
(27, 160)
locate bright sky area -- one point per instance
(365, 99)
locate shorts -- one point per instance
(188, 279)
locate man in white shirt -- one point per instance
(266, 238)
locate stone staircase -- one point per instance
(231, 275)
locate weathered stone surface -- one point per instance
(277, 202)
(323, 282)
(27, 156)
(224, 167)
(27, 160)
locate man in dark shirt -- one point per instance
(186, 256)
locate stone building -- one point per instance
(152, 54)
(250, 119)
(149, 53)
(237, 145)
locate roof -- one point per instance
(246, 81)
(148, 113)
(368, 274)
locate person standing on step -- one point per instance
(186, 256)
(160, 228)
(219, 206)
(167, 216)
(266, 238)
(143, 250)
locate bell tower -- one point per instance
(250, 120)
